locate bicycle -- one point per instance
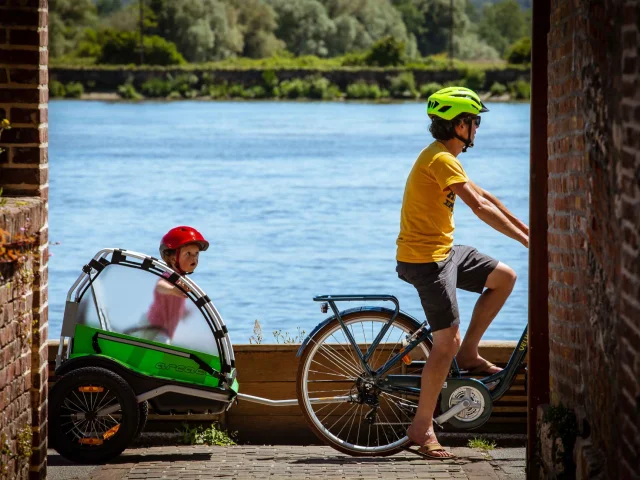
(376, 383)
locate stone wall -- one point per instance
(108, 79)
(23, 239)
(593, 215)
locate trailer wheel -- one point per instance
(77, 430)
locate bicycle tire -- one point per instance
(345, 442)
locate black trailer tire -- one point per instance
(143, 407)
(89, 390)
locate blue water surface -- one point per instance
(297, 199)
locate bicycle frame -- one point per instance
(411, 383)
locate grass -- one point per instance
(482, 444)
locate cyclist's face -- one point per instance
(469, 123)
(189, 257)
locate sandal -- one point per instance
(431, 447)
(481, 369)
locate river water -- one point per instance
(296, 198)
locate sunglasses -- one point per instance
(476, 120)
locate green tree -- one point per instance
(360, 23)
(470, 47)
(67, 21)
(386, 52)
(257, 23)
(502, 24)
(203, 30)
(107, 7)
(520, 51)
(304, 26)
(122, 48)
(430, 20)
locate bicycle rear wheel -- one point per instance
(374, 421)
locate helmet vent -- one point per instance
(445, 108)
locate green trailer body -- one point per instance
(147, 357)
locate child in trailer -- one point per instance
(180, 248)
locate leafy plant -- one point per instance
(520, 51)
(386, 52)
(56, 89)
(129, 92)
(498, 89)
(403, 86)
(429, 89)
(295, 88)
(287, 339)
(520, 89)
(363, 90)
(474, 79)
(212, 435)
(481, 444)
(74, 90)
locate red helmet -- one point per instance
(180, 236)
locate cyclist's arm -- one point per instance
(505, 211)
(488, 212)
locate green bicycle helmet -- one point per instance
(450, 102)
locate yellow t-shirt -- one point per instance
(426, 220)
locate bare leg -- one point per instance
(499, 285)
(434, 373)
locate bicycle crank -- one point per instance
(465, 402)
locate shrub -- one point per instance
(321, 88)
(156, 88)
(270, 80)
(386, 52)
(498, 89)
(353, 59)
(295, 88)
(520, 89)
(184, 84)
(520, 51)
(129, 92)
(56, 89)
(362, 90)
(474, 79)
(257, 91)
(123, 48)
(429, 89)
(236, 91)
(74, 90)
(403, 86)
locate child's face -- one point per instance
(189, 257)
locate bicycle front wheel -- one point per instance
(365, 418)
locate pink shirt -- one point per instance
(166, 311)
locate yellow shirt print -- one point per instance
(426, 219)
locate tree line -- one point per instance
(180, 31)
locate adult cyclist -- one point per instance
(428, 259)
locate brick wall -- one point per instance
(593, 205)
(24, 238)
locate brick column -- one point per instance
(628, 205)
(23, 221)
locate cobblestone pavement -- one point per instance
(290, 462)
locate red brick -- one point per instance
(24, 76)
(33, 176)
(29, 38)
(21, 95)
(21, 135)
(30, 155)
(19, 56)
(20, 17)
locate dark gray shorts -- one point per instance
(436, 282)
